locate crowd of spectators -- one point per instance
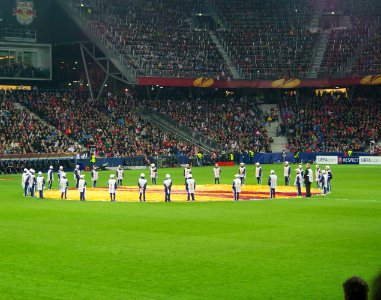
(158, 37)
(330, 122)
(267, 40)
(111, 126)
(358, 39)
(343, 44)
(237, 124)
(22, 71)
(369, 61)
(21, 132)
(115, 126)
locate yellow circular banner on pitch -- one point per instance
(155, 193)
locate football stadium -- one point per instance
(178, 149)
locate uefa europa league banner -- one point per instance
(370, 160)
(292, 83)
(327, 160)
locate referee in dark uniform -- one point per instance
(308, 179)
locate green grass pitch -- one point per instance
(271, 249)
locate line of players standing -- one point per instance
(323, 179)
(30, 183)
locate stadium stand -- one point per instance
(264, 40)
(21, 133)
(264, 47)
(108, 125)
(357, 41)
(235, 123)
(369, 62)
(330, 122)
(157, 45)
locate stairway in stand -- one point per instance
(279, 142)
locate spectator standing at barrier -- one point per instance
(355, 288)
(167, 187)
(329, 174)
(82, 187)
(242, 172)
(120, 175)
(50, 178)
(297, 156)
(112, 187)
(153, 173)
(217, 174)
(77, 174)
(272, 182)
(142, 184)
(237, 184)
(40, 184)
(287, 173)
(94, 176)
(308, 179)
(59, 175)
(187, 172)
(298, 183)
(200, 158)
(92, 159)
(32, 183)
(64, 184)
(190, 186)
(258, 172)
(284, 155)
(25, 181)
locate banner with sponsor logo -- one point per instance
(370, 160)
(348, 160)
(207, 82)
(327, 160)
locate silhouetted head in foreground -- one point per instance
(355, 288)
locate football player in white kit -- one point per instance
(40, 184)
(167, 187)
(153, 173)
(50, 177)
(190, 187)
(272, 182)
(94, 176)
(82, 187)
(258, 172)
(242, 172)
(187, 172)
(64, 184)
(112, 186)
(142, 184)
(236, 187)
(217, 174)
(287, 173)
(119, 175)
